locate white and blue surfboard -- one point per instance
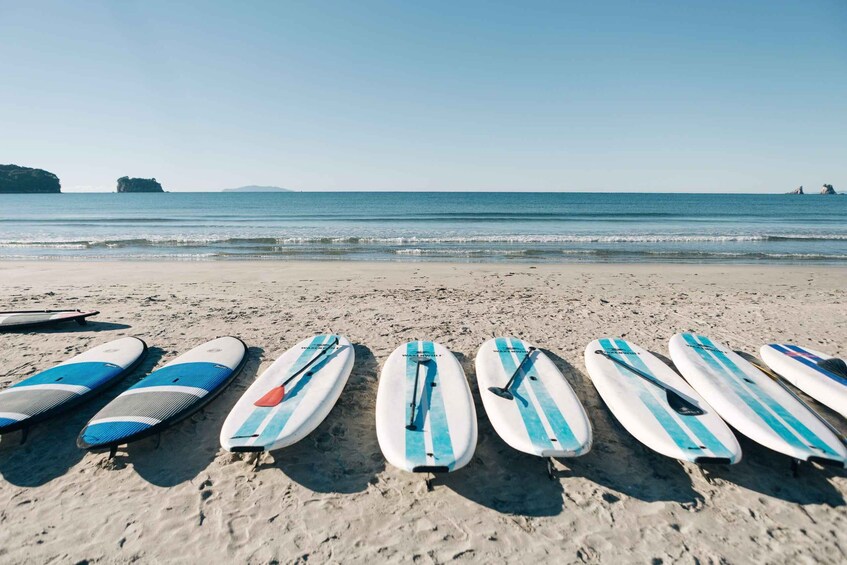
(802, 367)
(425, 416)
(541, 415)
(166, 395)
(753, 403)
(645, 410)
(316, 370)
(49, 392)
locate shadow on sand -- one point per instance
(189, 446)
(70, 327)
(50, 449)
(342, 455)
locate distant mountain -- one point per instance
(254, 188)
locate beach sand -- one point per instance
(332, 497)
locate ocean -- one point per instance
(423, 226)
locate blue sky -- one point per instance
(638, 96)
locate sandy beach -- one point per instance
(332, 497)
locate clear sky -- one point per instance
(707, 96)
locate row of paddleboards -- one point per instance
(425, 415)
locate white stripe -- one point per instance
(196, 391)
(139, 419)
(77, 389)
(13, 416)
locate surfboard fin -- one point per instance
(834, 365)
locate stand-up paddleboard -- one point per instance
(656, 405)
(529, 402)
(33, 318)
(817, 374)
(753, 403)
(292, 397)
(79, 378)
(166, 395)
(425, 417)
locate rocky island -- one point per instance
(24, 180)
(126, 184)
(827, 189)
(798, 190)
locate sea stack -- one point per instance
(798, 190)
(827, 189)
(24, 180)
(126, 184)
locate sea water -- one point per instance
(415, 226)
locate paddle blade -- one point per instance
(834, 365)
(682, 406)
(272, 398)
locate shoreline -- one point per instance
(332, 496)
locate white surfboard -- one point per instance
(540, 415)
(687, 429)
(800, 366)
(65, 385)
(438, 434)
(316, 369)
(752, 403)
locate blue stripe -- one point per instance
(6, 421)
(551, 410)
(789, 418)
(415, 446)
(257, 416)
(531, 420)
(442, 445)
(90, 374)
(808, 362)
(694, 424)
(670, 425)
(207, 376)
(292, 399)
(108, 432)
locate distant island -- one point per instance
(126, 184)
(24, 180)
(825, 189)
(255, 188)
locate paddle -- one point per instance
(834, 365)
(675, 400)
(275, 395)
(504, 391)
(421, 359)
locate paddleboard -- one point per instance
(800, 367)
(696, 435)
(543, 417)
(753, 403)
(308, 397)
(167, 395)
(32, 318)
(439, 434)
(67, 384)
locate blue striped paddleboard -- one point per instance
(425, 416)
(316, 369)
(543, 417)
(49, 392)
(753, 403)
(645, 410)
(801, 367)
(167, 395)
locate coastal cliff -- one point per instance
(827, 189)
(24, 180)
(126, 184)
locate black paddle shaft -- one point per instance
(312, 362)
(675, 399)
(411, 425)
(503, 392)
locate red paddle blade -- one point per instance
(272, 398)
